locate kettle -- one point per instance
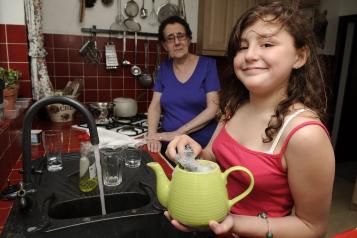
(195, 198)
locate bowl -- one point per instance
(59, 112)
(102, 111)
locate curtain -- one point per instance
(41, 84)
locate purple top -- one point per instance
(181, 102)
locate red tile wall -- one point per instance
(65, 63)
(14, 54)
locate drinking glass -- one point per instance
(132, 156)
(52, 141)
(111, 162)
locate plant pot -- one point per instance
(10, 96)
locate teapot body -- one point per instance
(195, 198)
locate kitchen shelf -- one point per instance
(94, 30)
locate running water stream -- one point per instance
(100, 180)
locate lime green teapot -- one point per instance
(195, 198)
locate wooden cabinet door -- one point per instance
(215, 21)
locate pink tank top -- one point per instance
(271, 191)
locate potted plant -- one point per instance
(11, 79)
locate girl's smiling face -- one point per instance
(266, 57)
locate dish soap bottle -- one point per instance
(88, 179)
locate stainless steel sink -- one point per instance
(90, 206)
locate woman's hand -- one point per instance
(177, 145)
(153, 143)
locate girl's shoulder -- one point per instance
(305, 130)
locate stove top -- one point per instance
(131, 126)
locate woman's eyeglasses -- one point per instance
(179, 36)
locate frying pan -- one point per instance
(167, 10)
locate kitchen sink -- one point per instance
(90, 206)
(59, 209)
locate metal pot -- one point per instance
(102, 111)
(125, 107)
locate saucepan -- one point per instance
(125, 107)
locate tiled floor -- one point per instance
(342, 218)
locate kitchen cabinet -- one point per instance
(302, 3)
(216, 19)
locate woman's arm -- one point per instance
(197, 122)
(154, 113)
(204, 117)
(310, 162)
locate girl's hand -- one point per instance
(177, 145)
(177, 224)
(223, 228)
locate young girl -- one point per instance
(270, 122)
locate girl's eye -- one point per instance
(267, 45)
(242, 48)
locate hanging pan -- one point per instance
(167, 10)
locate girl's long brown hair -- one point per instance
(306, 84)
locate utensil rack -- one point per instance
(94, 30)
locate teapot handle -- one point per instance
(247, 191)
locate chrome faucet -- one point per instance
(27, 187)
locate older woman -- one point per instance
(185, 92)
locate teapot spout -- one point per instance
(162, 183)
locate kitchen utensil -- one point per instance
(132, 25)
(111, 60)
(118, 24)
(153, 16)
(188, 188)
(157, 64)
(145, 78)
(125, 107)
(82, 10)
(107, 3)
(167, 10)
(131, 8)
(89, 51)
(135, 69)
(143, 11)
(90, 3)
(124, 61)
(181, 7)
